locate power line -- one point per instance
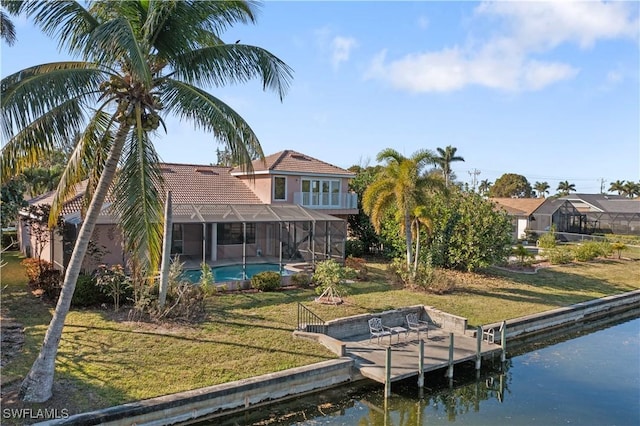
(474, 173)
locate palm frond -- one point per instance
(231, 64)
(209, 113)
(115, 41)
(138, 201)
(41, 137)
(30, 93)
(7, 29)
(86, 162)
(67, 21)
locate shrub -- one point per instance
(301, 280)
(398, 271)
(521, 253)
(359, 265)
(113, 282)
(330, 277)
(354, 248)
(619, 247)
(266, 281)
(589, 250)
(559, 255)
(207, 279)
(42, 276)
(548, 240)
(87, 292)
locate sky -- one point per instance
(548, 90)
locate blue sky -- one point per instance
(547, 90)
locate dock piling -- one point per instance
(478, 347)
(503, 341)
(387, 381)
(450, 369)
(421, 364)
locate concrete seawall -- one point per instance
(529, 325)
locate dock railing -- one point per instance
(308, 321)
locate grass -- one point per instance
(105, 361)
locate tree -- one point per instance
(12, 200)
(617, 186)
(401, 184)
(541, 189)
(444, 159)
(468, 233)
(360, 225)
(7, 29)
(511, 185)
(564, 188)
(141, 60)
(631, 189)
(484, 187)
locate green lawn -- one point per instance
(105, 360)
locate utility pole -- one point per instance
(602, 185)
(474, 173)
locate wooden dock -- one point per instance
(370, 357)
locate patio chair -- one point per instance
(413, 323)
(376, 329)
(489, 334)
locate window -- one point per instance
(280, 188)
(231, 233)
(176, 239)
(318, 192)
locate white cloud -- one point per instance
(341, 49)
(502, 61)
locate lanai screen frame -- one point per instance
(319, 235)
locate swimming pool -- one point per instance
(234, 272)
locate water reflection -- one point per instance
(590, 377)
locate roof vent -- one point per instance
(166, 170)
(300, 157)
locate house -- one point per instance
(573, 214)
(521, 211)
(293, 208)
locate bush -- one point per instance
(266, 281)
(87, 292)
(113, 282)
(559, 255)
(547, 240)
(42, 276)
(301, 280)
(618, 247)
(354, 248)
(330, 278)
(589, 250)
(398, 271)
(359, 265)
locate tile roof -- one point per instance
(192, 183)
(73, 204)
(519, 206)
(293, 161)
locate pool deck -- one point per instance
(370, 356)
(193, 263)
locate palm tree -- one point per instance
(7, 29)
(541, 188)
(400, 184)
(617, 186)
(484, 187)
(445, 158)
(631, 189)
(142, 60)
(564, 188)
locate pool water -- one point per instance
(234, 272)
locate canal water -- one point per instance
(587, 377)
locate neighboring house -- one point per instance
(575, 213)
(520, 210)
(292, 209)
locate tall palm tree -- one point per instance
(401, 185)
(617, 186)
(484, 187)
(631, 189)
(7, 29)
(541, 188)
(141, 61)
(445, 157)
(564, 188)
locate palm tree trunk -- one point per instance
(417, 253)
(38, 385)
(166, 253)
(407, 228)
